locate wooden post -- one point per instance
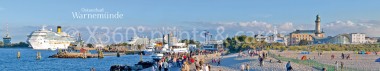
(141, 57)
(100, 54)
(18, 55)
(118, 54)
(84, 55)
(38, 55)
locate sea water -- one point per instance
(28, 61)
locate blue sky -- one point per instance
(25, 16)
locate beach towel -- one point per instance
(377, 60)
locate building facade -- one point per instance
(357, 38)
(352, 38)
(309, 35)
(371, 40)
(277, 38)
(299, 35)
(340, 39)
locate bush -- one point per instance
(293, 48)
(336, 49)
(327, 49)
(313, 49)
(283, 48)
(305, 48)
(299, 47)
(267, 48)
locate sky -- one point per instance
(258, 16)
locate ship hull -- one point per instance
(47, 40)
(47, 46)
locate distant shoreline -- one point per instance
(15, 47)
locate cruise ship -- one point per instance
(48, 40)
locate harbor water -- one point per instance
(28, 61)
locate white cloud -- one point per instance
(255, 26)
(250, 25)
(225, 24)
(286, 26)
(331, 28)
(337, 27)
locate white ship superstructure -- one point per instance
(173, 45)
(46, 39)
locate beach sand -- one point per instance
(356, 61)
(233, 63)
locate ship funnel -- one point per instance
(59, 29)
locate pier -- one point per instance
(86, 54)
(81, 55)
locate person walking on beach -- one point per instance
(242, 67)
(341, 66)
(192, 60)
(324, 69)
(263, 55)
(219, 61)
(205, 67)
(212, 60)
(288, 66)
(159, 65)
(185, 67)
(166, 66)
(154, 68)
(178, 62)
(209, 67)
(261, 60)
(247, 67)
(321, 54)
(336, 66)
(332, 56)
(342, 56)
(174, 61)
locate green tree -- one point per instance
(190, 41)
(124, 44)
(293, 48)
(20, 44)
(238, 43)
(90, 45)
(1, 43)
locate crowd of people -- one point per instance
(261, 57)
(183, 61)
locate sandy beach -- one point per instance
(356, 61)
(233, 62)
